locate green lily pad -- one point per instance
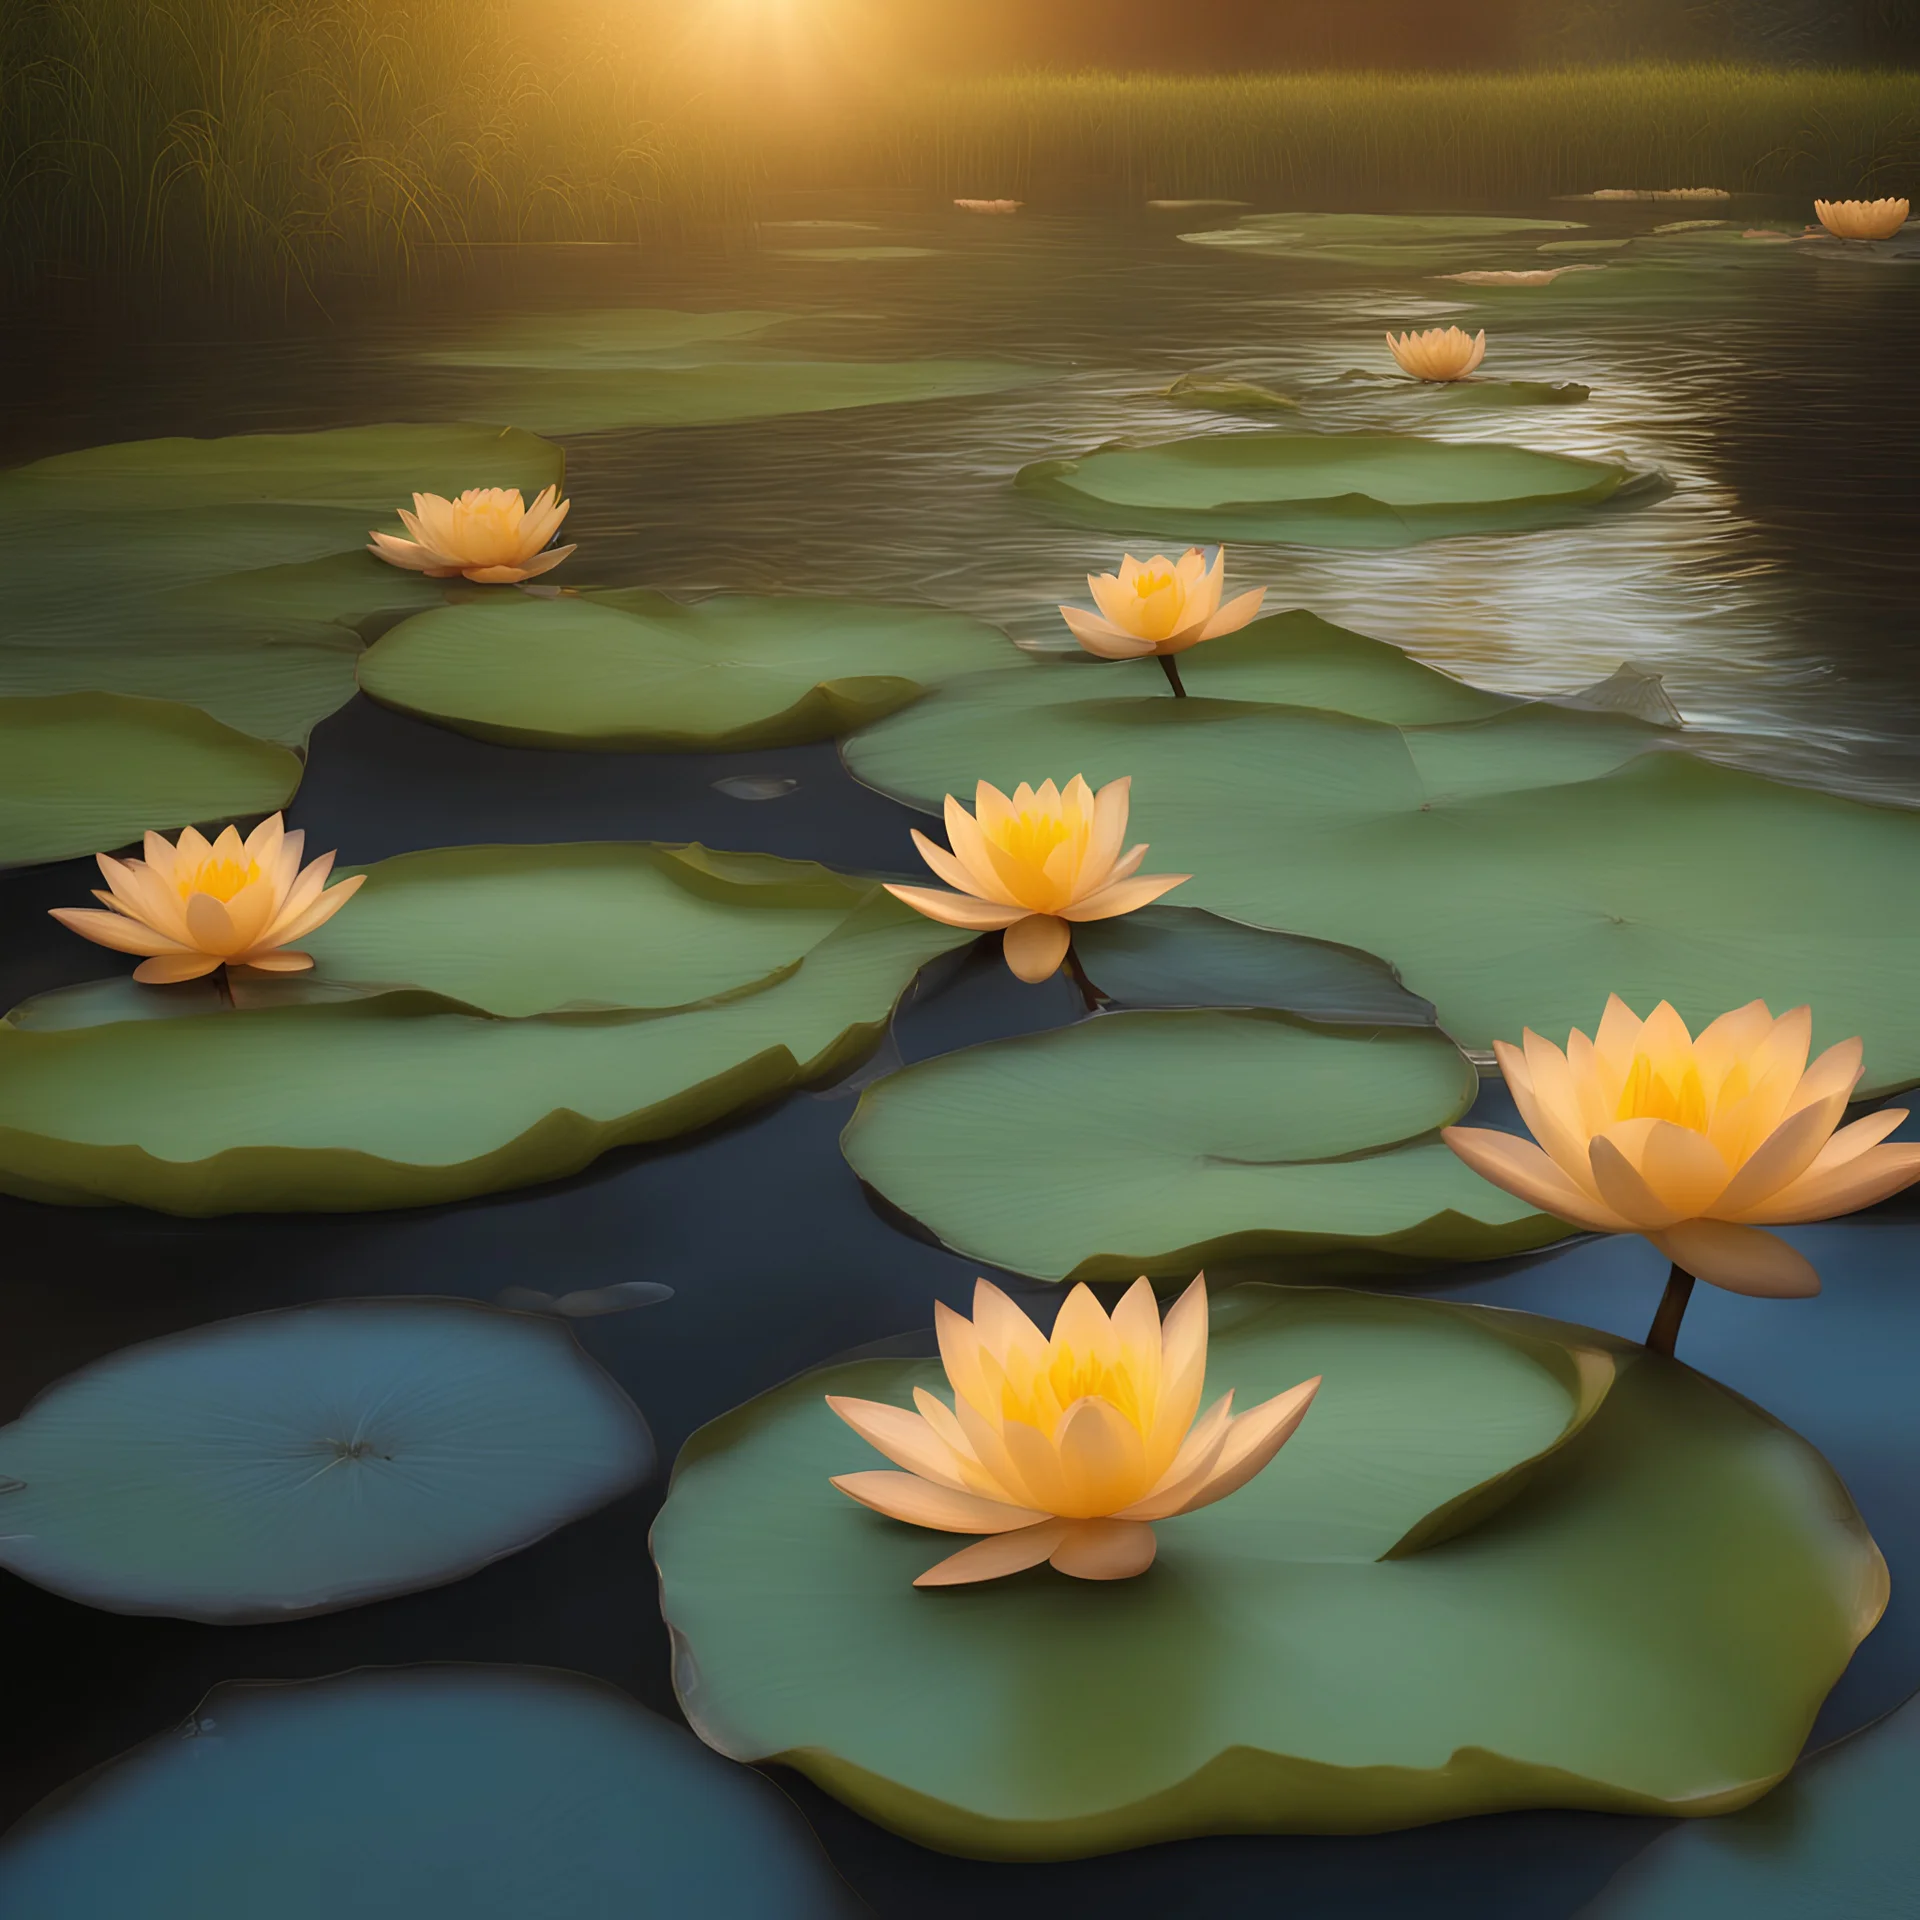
(1836, 1838)
(84, 772)
(1472, 392)
(408, 1099)
(1324, 489)
(1165, 1142)
(320, 1457)
(493, 1793)
(635, 671)
(1515, 869)
(600, 338)
(1174, 957)
(562, 396)
(1414, 242)
(231, 573)
(1229, 396)
(514, 931)
(1293, 659)
(1648, 1625)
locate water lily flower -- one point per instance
(1441, 353)
(1160, 606)
(195, 907)
(489, 535)
(1032, 864)
(1700, 1144)
(1862, 219)
(1065, 1448)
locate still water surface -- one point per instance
(1772, 589)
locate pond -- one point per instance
(874, 425)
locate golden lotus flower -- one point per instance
(1862, 219)
(489, 534)
(1160, 606)
(1032, 864)
(1065, 1448)
(195, 907)
(1698, 1144)
(1441, 353)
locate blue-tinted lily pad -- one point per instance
(429, 1793)
(318, 1457)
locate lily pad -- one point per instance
(1648, 1625)
(1515, 870)
(602, 337)
(592, 927)
(227, 573)
(315, 1458)
(1325, 489)
(1836, 1838)
(1230, 396)
(82, 772)
(1414, 242)
(1174, 957)
(1165, 1142)
(635, 671)
(407, 1099)
(564, 396)
(494, 1793)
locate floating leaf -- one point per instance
(601, 337)
(83, 772)
(315, 1458)
(1515, 870)
(1326, 489)
(1647, 1625)
(493, 1793)
(1162, 1143)
(227, 573)
(1168, 956)
(1229, 396)
(406, 1099)
(1837, 1838)
(635, 671)
(1412, 242)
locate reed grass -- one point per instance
(280, 143)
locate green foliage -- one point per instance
(236, 143)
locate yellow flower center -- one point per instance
(1031, 837)
(1148, 584)
(487, 526)
(221, 878)
(1677, 1092)
(1039, 1399)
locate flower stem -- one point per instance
(1172, 672)
(1673, 1306)
(1091, 994)
(223, 986)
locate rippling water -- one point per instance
(1772, 590)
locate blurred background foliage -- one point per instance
(280, 143)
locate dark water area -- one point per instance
(1773, 590)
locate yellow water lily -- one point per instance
(197, 906)
(1160, 606)
(1862, 219)
(1032, 864)
(1065, 1447)
(1441, 353)
(1700, 1144)
(489, 535)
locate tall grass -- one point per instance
(280, 143)
(1408, 139)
